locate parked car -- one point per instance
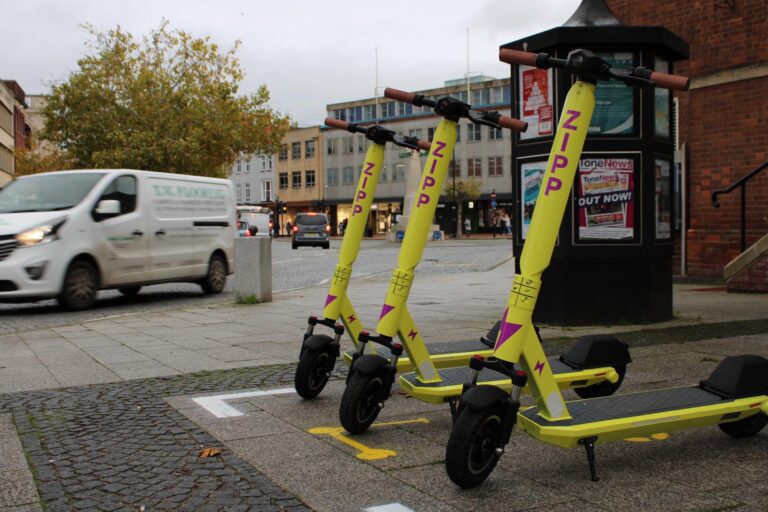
(244, 229)
(69, 234)
(311, 229)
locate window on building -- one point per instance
(332, 177)
(416, 133)
(248, 165)
(495, 133)
(309, 149)
(355, 114)
(239, 193)
(383, 175)
(399, 173)
(266, 190)
(349, 145)
(458, 133)
(333, 146)
(455, 169)
(309, 179)
(348, 176)
(387, 109)
(296, 151)
(495, 166)
(283, 152)
(283, 180)
(247, 192)
(496, 95)
(404, 109)
(474, 167)
(430, 134)
(340, 114)
(361, 143)
(473, 132)
(238, 169)
(369, 112)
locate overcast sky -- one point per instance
(308, 53)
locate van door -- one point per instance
(122, 242)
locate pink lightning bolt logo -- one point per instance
(507, 330)
(412, 334)
(385, 309)
(351, 318)
(539, 367)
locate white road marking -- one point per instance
(389, 507)
(217, 405)
(291, 260)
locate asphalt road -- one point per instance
(291, 269)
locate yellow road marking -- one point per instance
(653, 437)
(363, 452)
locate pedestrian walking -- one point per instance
(288, 228)
(507, 223)
(467, 226)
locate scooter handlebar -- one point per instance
(517, 57)
(674, 82)
(336, 123)
(397, 94)
(516, 125)
(424, 145)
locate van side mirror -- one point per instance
(108, 208)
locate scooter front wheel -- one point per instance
(313, 371)
(361, 402)
(746, 427)
(471, 454)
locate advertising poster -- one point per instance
(605, 199)
(614, 101)
(537, 98)
(531, 174)
(661, 102)
(663, 200)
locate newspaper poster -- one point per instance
(663, 200)
(605, 198)
(614, 100)
(531, 174)
(537, 97)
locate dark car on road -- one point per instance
(311, 229)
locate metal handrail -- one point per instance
(741, 182)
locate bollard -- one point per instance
(253, 268)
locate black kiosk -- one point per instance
(613, 260)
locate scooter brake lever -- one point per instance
(406, 141)
(638, 76)
(479, 117)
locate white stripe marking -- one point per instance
(389, 507)
(217, 406)
(286, 261)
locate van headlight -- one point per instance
(39, 235)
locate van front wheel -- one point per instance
(81, 284)
(216, 278)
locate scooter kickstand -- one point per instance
(454, 409)
(589, 445)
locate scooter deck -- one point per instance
(453, 379)
(444, 355)
(620, 416)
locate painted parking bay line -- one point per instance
(217, 405)
(363, 452)
(389, 507)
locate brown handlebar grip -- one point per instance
(336, 123)
(513, 124)
(424, 144)
(675, 82)
(517, 57)
(396, 94)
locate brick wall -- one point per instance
(754, 278)
(724, 126)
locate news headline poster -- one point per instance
(531, 174)
(605, 198)
(663, 200)
(537, 97)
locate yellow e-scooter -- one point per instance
(594, 366)
(735, 396)
(319, 351)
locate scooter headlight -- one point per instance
(38, 235)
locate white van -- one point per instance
(257, 217)
(68, 234)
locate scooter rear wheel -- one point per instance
(746, 427)
(471, 455)
(313, 371)
(604, 388)
(359, 406)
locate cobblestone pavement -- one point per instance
(290, 270)
(120, 446)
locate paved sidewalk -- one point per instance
(448, 307)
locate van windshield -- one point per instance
(47, 192)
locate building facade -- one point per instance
(7, 143)
(299, 174)
(482, 154)
(253, 176)
(721, 119)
